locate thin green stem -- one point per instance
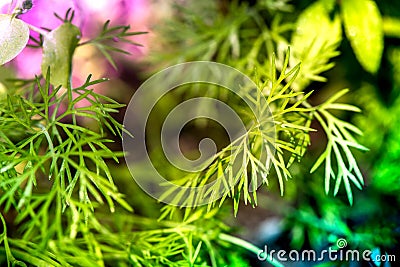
(250, 247)
(36, 29)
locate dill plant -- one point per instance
(55, 174)
(283, 61)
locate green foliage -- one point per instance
(315, 42)
(246, 42)
(49, 163)
(372, 223)
(247, 149)
(59, 174)
(340, 140)
(391, 27)
(14, 35)
(386, 175)
(380, 124)
(107, 34)
(58, 49)
(363, 25)
(55, 176)
(252, 37)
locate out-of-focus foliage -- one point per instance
(247, 37)
(66, 201)
(363, 24)
(358, 58)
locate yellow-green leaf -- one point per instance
(391, 27)
(3, 90)
(14, 35)
(364, 29)
(58, 48)
(315, 40)
(315, 29)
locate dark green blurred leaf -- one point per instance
(363, 25)
(58, 48)
(14, 35)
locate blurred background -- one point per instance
(183, 30)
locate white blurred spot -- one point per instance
(98, 5)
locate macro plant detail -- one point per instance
(273, 104)
(283, 82)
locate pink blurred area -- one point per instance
(89, 17)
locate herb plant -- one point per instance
(67, 198)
